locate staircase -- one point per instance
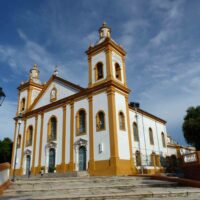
(101, 188)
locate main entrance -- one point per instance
(82, 158)
(28, 164)
(52, 155)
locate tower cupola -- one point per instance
(34, 74)
(104, 31)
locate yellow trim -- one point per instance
(89, 71)
(109, 63)
(123, 128)
(63, 167)
(91, 166)
(23, 145)
(98, 129)
(78, 133)
(28, 136)
(34, 145)
(71, 165)
(124, 70)
(49, 139)
(41, 138)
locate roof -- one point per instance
(143, 112)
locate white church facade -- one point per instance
(68, 128)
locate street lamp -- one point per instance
(2, 96)
(19, 120)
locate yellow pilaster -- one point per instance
(91, 135)
(90, 71)
(114, 158)
(14, 149)
(22, 153)
(34, 145)
(71, 165)
(64, 139)
(109, 63)
(41, 138)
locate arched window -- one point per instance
(52, 129)
(151, 136)
(81, 122)
(135, 132)
(22, 106)
(138, 158)
(29, 136)
(100, 121)
(163, 139)
(118, 74)
(99, 71)
(19, 141)
(121, 121)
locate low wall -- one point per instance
(191, 165)
(4, 176)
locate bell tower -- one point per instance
(106, 60)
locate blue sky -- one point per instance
(161, 39)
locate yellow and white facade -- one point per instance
(69, 128)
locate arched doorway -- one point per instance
(28, 164)
(52, 155)
(82, 158)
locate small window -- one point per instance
(151, 136)
(81, 122)
(118, 72)
(52, 129)
(53, 95)
(100, 121)
(99, 71)
(22, 106)
(29, 136)
(138, 158)
(121, 121)
(135, 132)
(163, 139)
(19, 141)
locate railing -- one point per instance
(4, 176)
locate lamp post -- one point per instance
(2, 96)
(19, 120)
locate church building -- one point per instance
(67, 128)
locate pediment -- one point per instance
(80, 142)
(55, 89)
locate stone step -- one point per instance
(137, 194)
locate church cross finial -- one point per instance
(104, 30)
(55, 73)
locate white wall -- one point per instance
(100, 102)
(4, 176)
(123, 142)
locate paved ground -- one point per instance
(139, 188)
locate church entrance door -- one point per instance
(52, 155)
(28, 164)
(82, 158)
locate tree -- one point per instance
(191, 126)
(5, 150)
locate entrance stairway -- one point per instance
(101, 188)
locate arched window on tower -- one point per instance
(118, 73)
(52, 129)
(135, 132)
(29, 136)
(19, 141)
(100, 121)
(22, 105)
(81, 122)
(121, 121)
(151, 136)
(99, 71)
(163, 139)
